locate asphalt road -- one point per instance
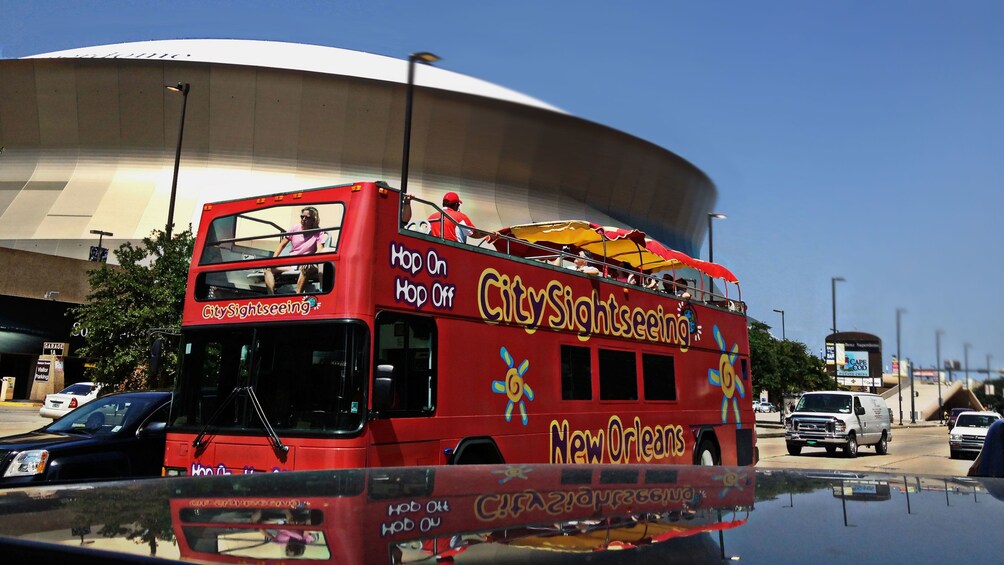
(920, 449)
(916, 450)
(17, 419)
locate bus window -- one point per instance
(220, 362)
(232, 284)
(576, 373)
(307, 377)
(255, 234)
(659, 377)
(618, 375)
(408, 343)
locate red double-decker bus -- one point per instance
(386, 346)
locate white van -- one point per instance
(833, 419)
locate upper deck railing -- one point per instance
(604, 257)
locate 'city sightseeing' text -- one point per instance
(505, 299)
(255, 309)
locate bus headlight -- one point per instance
(28, 463)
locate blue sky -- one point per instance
(860, 139)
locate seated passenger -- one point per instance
(312, 242)
(582, 266)
(643, 279)
(681, 288)
(668, 284)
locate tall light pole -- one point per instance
(428, 59)
(781, 311)
(711, 250)
(833, 330)
(937, 367)
(899, 366)
(913, 394)
(965, 348)
(833, 299)
(988, 368)
(183, 88)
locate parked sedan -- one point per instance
(759, 406)
(58, 404)
(970, 432)
(116, 436)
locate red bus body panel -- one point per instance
(500, 323)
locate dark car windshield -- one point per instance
(104, 417)
(824, 403)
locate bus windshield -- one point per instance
(308, 379)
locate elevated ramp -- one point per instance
(926, 403)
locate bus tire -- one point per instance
(707, 454)
(477, 451)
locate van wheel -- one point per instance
(794, 449)
(706, 454)
(851, 449)
(882, 447)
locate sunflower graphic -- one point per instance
(725, 377)
(514, 387)
(731, 481)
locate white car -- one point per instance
(56, 405)
(969, 432)
(759, 406)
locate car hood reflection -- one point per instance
(529, 513)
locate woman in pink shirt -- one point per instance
(304, 242)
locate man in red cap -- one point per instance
(452, 224)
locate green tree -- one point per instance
(128, 302)
(783, 366)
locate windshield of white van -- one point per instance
(840, 403)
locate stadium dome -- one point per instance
(88, 141)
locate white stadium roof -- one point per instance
(299, 57)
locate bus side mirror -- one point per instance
(383, 387)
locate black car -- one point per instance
(116, 436)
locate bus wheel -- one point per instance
(706, 454)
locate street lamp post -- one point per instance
(183, 88)
(100, 256)
(428, 59)
(899, 366)
(781, 311)
(711, 250)
(937, 367)
(965, 348)
(833, 330)
(913, 394)
(833, 299)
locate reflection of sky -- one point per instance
(879, 531)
